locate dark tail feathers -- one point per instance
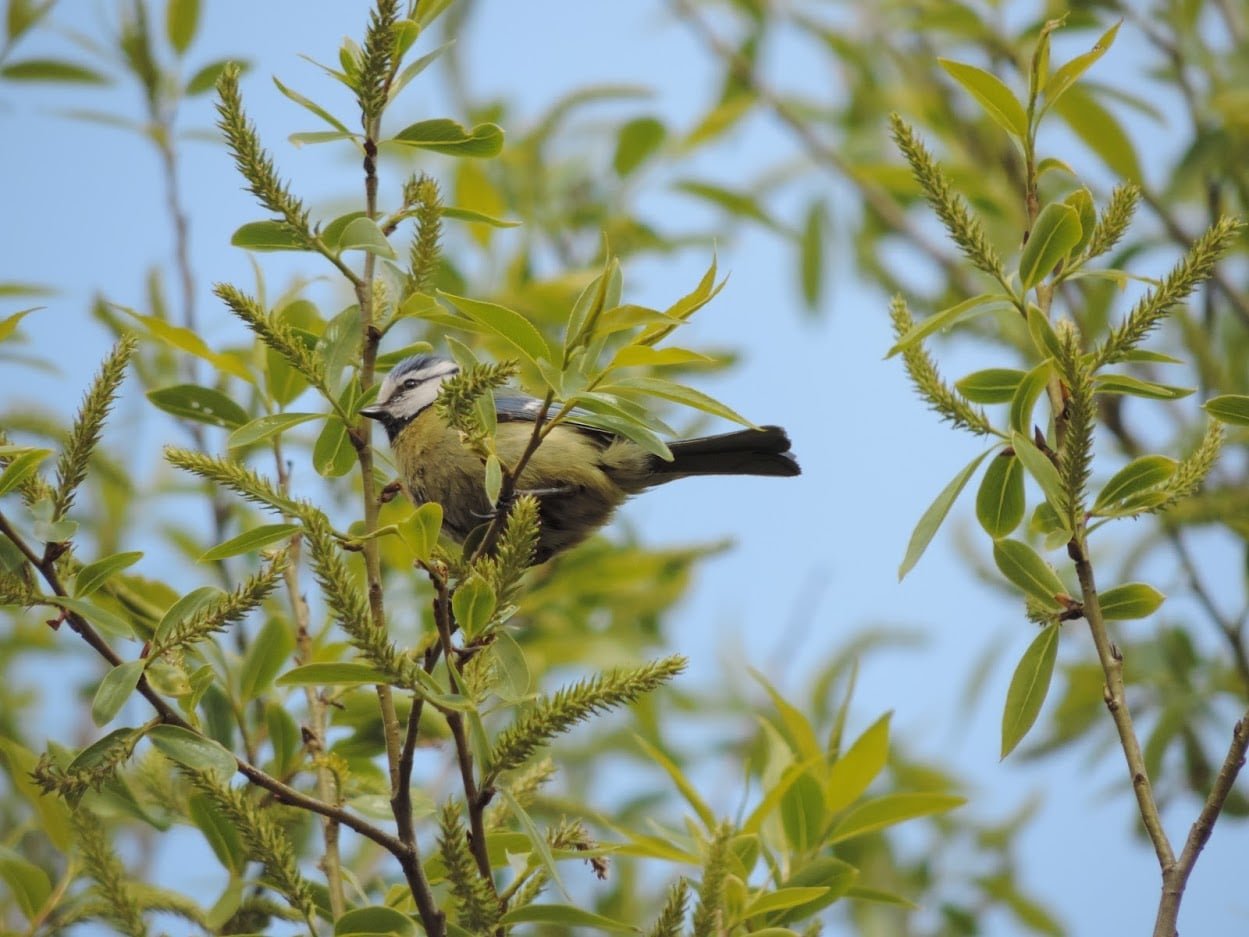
(763, 451)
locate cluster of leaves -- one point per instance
(212, 662)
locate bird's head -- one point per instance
(410, 387)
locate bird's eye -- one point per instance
(410, 383)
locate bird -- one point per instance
(580, 474)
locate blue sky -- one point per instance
(815, 558)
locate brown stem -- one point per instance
(1175, 878)
(1116, 701)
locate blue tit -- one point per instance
(580, 473)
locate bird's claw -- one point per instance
(503, 505)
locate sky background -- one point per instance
(815, 558)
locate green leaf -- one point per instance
(1081, 202)
(1044, 338)
(835, 875)
(1026, 396)
(181, 20)
(364, 234)
(205, 77)
(94, 575)
(114, 690)
(505, 323)
(992, 385)
(741, 204)
(333, 455)
(420, 530)
(1066, 75)
(891, 809)
(536, 837)
(201, 404)
(446, 136)
(28, 883)
(862, 893)
(850, 775)
(996, 99)
(193, 750)
(1229, 408)
(1028, 688)
(1135, 387)
(106, 621)
(53, 812)
(21, 15)
(638, 140)
(1040, 468)
(185, 340)
(967, 309)
(313, 107)
(473, 603)
(417, 66)
(669, 390)
(269, 236)
(1100, 131)
(1130, 600)
(266, 427)
(812, 260)
(931, 522)
(1000, 500)
(1138, 475)
(1056, 232)
(784, 898)
(333, 673)
(478, 217)
(52, 70)
(222, 836)
(9, 325)
(250, 541)
(567, 916)
(492, 479)
(802, 812)
(21, 468)
(284, 736)
(1024, 567)
(687, 790)
(647, 356)
(375, 920)
(265, 656)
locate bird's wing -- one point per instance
(516, 405)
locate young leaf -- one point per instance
(505, 323)
(638, 140)
(108, 622)
(364, 234)
(250, 541)
(1026, 396)
(94, 575)
(28, 883)
(566, 916)
(1229, 408)
(268, 236)
(266, 427)
(21, 467)
(202, 404)
(114, 690)
(967, 309)
(1135, 387)
(446, 136)
(1028, 687)
(181, 20)
(332, 673)
(1130, 600)
(1138, 475)
(1000, 500)
(1066, 75)
(333, 455)
(312, 106)
(930, 523)
(992, 385)
(193, 750)
(473, 603)
(1040, 468)
(812, 263)
(891, 809)
(264, 658)
(849, 776)
(996, 99)
(375, 920)
(1022, 565)
(1056, 232)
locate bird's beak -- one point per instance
(373, 412)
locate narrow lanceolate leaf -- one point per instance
(1040, 468)
(108, 622)
(266, 427)
(446, 136)
(181, 20)
(992, 385)
(891, 809)
(375, 920)
(1138, 475)
(931, 522)
(269, 236)
(1130, 600)
(201, 404)
(192, 750)
(333, 455)
(364, 234)
(967, 309)
(1024, 567)
(1028, 688)
(114, 690)
(1135, 387)
(94, 575)
(850, 775)
(631, 387)
(331, 673)
(250, 541)
(1066, 75)
(1056, 232)
(997, 100)
(1000, 500)
(1026, 395)
(20, 468)
(28, 883)
(507, 324)
(1229, 408)
(566, 916)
